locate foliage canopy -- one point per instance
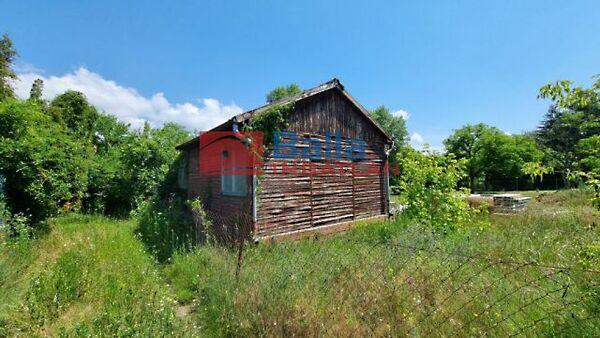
(7, 56)
(282, 92)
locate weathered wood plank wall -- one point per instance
(226, 212)
(297, 194)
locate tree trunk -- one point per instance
(472, 183)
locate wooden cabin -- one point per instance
(294, 197)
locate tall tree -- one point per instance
(463, 144)
(491, 154)
(283, 92)
(7, 56)
(499, 156)
(573, 117)
(35, 94)
(587, 152)
(45, 167)
(394, 126)
(73, 109)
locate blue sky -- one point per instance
(447, 63)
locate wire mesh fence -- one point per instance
(393, 288)
(550, 182)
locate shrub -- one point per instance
(164, 226)
(428, 189)
(45, 168)
(67, 157)
(202, 220)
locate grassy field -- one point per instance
(88, 276)
(527, 274)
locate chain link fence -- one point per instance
(549, 182)
(394, 288)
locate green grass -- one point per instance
(88, 276)
(93, 276)
(370, 282)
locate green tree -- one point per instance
(574, 116)
(501, 157)
(110, 139)
(36, 90)
(395, 126)
(7, 56)
(46, 168)
(67, 156)
(463, 143)
(558, 134)
(147, 160)
(282, 92)
(587, 152)
(491, 154)
(495, 156)
(73, 110)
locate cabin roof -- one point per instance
(333, 84)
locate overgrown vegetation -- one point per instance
(63, 155)
(428, 190)
(88, 276)
(568, 140)
(269, 122)
(282, 92)
(361, 283)
(440, 267)
(93, 276)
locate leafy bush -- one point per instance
(428, 186)
(45, 168)
(67, 157)
(270, 121)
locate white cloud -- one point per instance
(402, 113)
(127, 104)
(24, 67)
(416, 140)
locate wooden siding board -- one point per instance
(352, 190)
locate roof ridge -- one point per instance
(333, 83)
(305, 93)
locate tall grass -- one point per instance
(89, 276)
(375, 280)
(94, 276)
